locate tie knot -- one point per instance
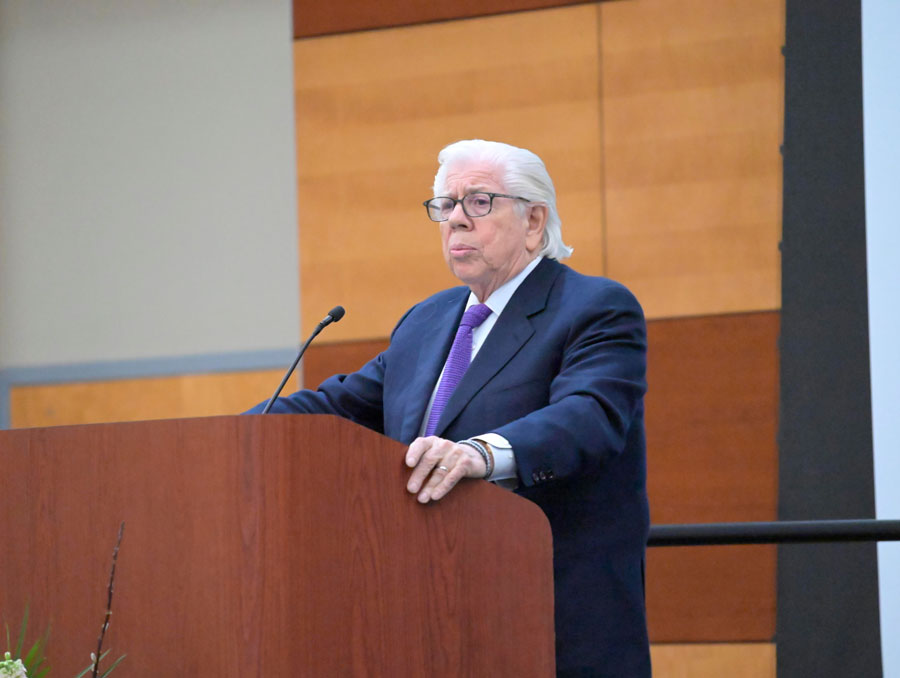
(475, 315)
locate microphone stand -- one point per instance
(333, 316)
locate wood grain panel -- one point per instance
(320, 18)
(240, 560)
(711, 594)
(712, 417)
(374, 109)
(195, 395)
(712, 457)
(692, 122)
(324, 360)
(731, 660)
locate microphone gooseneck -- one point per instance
(333, 316)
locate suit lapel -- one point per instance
(437, 331)
(511, 332)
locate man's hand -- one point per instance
(438, 465)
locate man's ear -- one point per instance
(534, 230)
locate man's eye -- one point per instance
(480, 201)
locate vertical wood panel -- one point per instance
(712, 457)
(692, 122)
(374, 109)
(324, 360)
(711, 593)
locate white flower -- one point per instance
(12, 669)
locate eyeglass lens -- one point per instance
(474, 205)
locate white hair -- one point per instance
(524, 174)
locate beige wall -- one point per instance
(147, 196)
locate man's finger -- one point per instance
(446, 483)
(416, 449)
(444, 474)
(427, 453)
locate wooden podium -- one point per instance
(274, 546)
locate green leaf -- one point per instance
(115, 664)
(37, 665)
(34, 654)
(21, 642)
(37, 654)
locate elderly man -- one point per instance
(532, 375)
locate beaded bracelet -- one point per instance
(482, 449)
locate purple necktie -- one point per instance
(457, 362)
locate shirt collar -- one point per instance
(501, 296)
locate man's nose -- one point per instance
(458, 217)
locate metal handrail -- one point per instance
(779, 532)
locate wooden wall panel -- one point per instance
(139, 399)
(323, 360)
(713, 404)
(320, 18)
(731, 660)
(374, 109)
(711, 593)
(692, 122)
(688, 181)
(712, 457)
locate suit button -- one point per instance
(534, 476)
(550, 475)
(542, 475)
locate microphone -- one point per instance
(333, 316)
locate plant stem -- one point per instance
(112, 576)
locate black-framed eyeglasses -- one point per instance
(474, 205)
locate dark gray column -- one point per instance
(827, 622)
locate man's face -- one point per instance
(485, 252)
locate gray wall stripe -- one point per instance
(135, 369)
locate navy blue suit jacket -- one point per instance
(562, 377)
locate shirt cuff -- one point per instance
(504, 459)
